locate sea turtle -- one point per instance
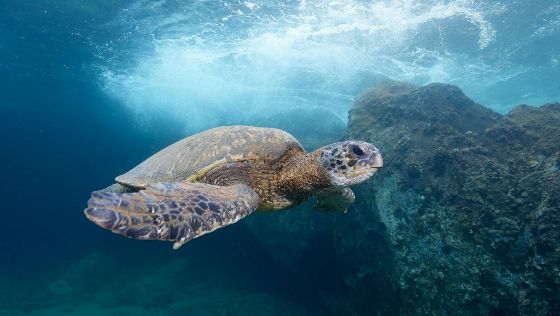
(216, 177)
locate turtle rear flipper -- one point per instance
(173, 211)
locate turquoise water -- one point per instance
(91, 88)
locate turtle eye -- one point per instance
(357, 150)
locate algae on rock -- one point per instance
(470, 200)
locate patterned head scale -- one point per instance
(350, 162)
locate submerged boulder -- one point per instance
(468, 200)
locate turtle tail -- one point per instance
(176, 212)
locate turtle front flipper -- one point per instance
(334, 199)
(177, 211)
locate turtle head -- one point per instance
(350, 162)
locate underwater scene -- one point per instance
(295, 157)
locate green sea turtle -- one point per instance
(216, 177)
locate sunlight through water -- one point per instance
(198, 60)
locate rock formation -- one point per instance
(469, 201)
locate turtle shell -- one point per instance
(186, 157)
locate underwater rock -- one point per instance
(540, 124)
(469, 202)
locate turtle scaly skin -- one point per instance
(279, 186)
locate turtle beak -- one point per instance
(366, 167)
(376, 159)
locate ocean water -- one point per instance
(91, 88)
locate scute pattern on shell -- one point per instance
(184, 158)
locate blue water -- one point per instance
(90, 88)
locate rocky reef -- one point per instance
(468, 201)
